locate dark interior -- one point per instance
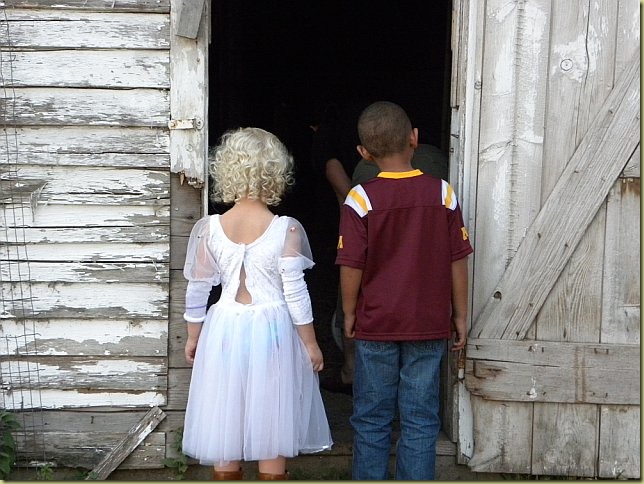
(273, 64)
(276, 65)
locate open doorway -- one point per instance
(274, 64)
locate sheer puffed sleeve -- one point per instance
(200, 270)
(296, 257)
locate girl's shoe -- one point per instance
(265, 476)
(228, 475)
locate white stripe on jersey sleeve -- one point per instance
(449, 197)
(358, 200)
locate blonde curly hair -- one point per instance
(251, 163)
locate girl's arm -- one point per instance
(194, 329)
(307, 335)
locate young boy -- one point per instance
(403, 255)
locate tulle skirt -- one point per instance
(253, 394)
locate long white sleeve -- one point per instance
(295, 258)
(200, 270)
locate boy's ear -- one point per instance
(364, 153)
(413, 138)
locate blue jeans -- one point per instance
(390, 375)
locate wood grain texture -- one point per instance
(91, 141)
(546, 248)
(127, 445)
(86, 107)
(77, 29)
(619, 442)
(189, 98)
(117, 69)
(502, 436)
(85, 337)
(160, 6)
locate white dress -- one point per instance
(253, 394)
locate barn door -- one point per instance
(553, 357)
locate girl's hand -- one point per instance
(190, 349)
(315, 353)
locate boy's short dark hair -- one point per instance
(384, 129)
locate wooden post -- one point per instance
(125, 447)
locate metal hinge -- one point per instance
(193, 123)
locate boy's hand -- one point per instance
(315, 353)
(460, 326)
(349, 324)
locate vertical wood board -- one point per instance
(511, 134)
(189, 100)
(619, 442)
(565, 440)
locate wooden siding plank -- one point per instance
(156, 6)
(106, 273)
(86, 140)
(108, 160)
(92, 107)
(61, 399)
(84, 373)
(70, 300)
(556, 354)
(189, 99)
(111, 235)
(85, 450)
(127, 445)
(565, 442)
(84, 337)
(48, 215)
(90, 68)
(89, 253)
(517, 382)
(621, 283)
(572, 204)
(59, 29)
(66, 184)
(500, 436)
(619, 442)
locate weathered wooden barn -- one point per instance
(104, 111)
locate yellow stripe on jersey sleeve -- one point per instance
(449, 198)
(358, 200)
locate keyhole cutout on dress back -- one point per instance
(243, 296)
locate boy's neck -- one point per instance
(397, 162)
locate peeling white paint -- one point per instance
(124, 300)
(506, 9)
(574, 53)
(532, 393)
(58, 399)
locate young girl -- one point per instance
(254, 393)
